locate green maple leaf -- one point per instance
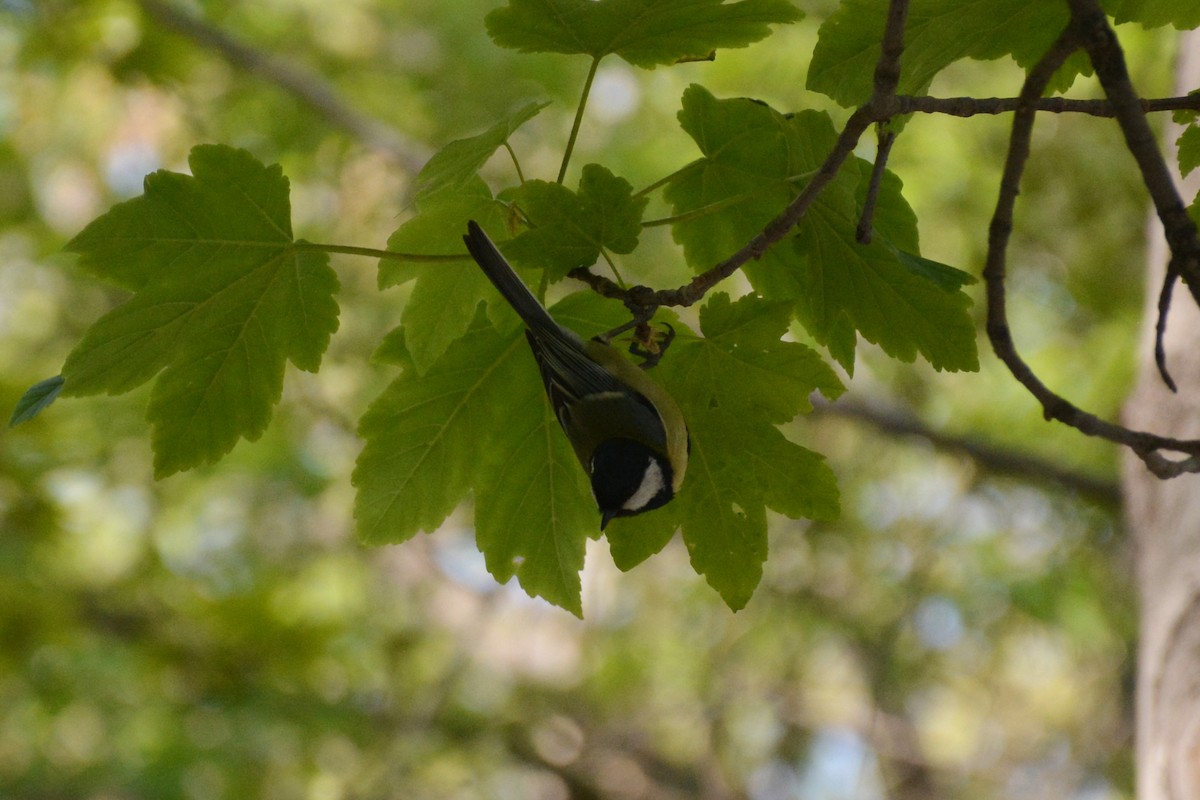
(741, 470)
(223, 297)
(443, 301)
(753, 159)
(752, 156)
(533, 506)
(425, 434)
(478, 419)
(733, 385)
(571, 228)
(632, 540)
(646, 33)
(938, 33)
(458, 162)
(776, 378)
(905, 304)
(1189, 149)
(1155, 13)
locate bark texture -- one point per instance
(1164, 521)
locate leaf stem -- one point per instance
(667, 178)
(587, 89)
(370, 252)
(516, 163)
(612, 265)
(711, 208)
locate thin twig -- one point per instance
(1100, 41)
(1054, 407)
(887, 68)
(306, 86)
(995, 268)
(1160, 327)
(866, 221)
(882, 105)
(599, 284)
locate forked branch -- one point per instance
(1089, 29)
(883, 105)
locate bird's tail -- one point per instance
(506, 281)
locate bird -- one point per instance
(627, 432)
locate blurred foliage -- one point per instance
(221, 635)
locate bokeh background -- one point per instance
(964, 631)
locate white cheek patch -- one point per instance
(652, 484)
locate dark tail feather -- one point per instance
(494, 265)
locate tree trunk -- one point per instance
(1164, 521)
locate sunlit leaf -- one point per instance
(645, 33)
(534, 509)
(752, 158)
(570, 228)
(224, 297)
(938, 33)
(739, 463)
(458, 162)
(1155, 13)
(447, 292)
(478, 419)
(425, 436)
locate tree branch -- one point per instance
(1100, 41)
(999, 460)
(1146, 445)
(1089, 29)
(883, 105)
(973, 106)
(309, 88)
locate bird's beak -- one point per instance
(606, 517)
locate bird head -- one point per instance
(628, 478)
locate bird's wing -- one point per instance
(590, 402)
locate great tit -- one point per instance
(626, 431)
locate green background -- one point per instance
(222, 634)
